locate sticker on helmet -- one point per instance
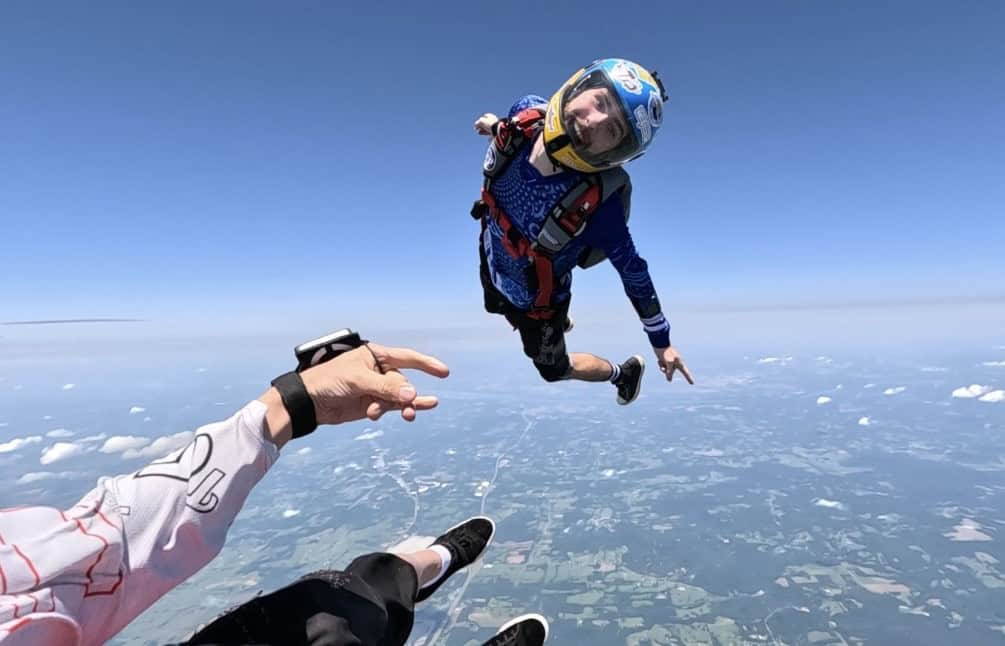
(627, 77)
(643, 123)
(655, 109)
(490, 158)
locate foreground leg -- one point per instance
(465, 542)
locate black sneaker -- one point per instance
(630, 382)
(525, 630)
(466, 542)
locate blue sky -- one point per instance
(260, 163)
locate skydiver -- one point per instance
(555, 196)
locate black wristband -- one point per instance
(297, 402)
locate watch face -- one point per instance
(326, 348)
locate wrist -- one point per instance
(297, 404)
(278, 427)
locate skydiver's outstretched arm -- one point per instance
(609, 231)
(78, 576)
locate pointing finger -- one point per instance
(406, 358)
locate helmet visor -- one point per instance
(625, 149)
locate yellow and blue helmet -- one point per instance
(640, 96)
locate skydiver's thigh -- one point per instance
(543, 341)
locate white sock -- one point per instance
(444, 555)
(615, 373)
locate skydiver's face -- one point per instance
(593, 119)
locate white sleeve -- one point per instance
(79, 576)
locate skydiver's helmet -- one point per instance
(638, 93)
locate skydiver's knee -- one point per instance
(552, 372)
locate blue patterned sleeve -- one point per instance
(609, 231)
(527, 101)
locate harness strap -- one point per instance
(518, 246)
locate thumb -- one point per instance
(391, 387)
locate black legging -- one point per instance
(371, 603)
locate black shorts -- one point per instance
(543, 339)
(369, 604)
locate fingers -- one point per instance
(408, 359)
(378, 407)
(684, 371)
(390, 386)
(669, 367)
(678, 365)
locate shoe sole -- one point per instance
(642, 372)
(530, 615)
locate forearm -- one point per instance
(654, 321)
(181, 507)
(96, 566)
(642, 293)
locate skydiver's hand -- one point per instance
(369, 383)
(670, 361)
(485, 122)
(359, 383)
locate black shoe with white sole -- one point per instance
(630, 382)
(466, 543)
(525, 630)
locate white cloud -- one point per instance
(18, 442)
(993, 397)
(38, 476)
(94, 438)
(869, 386)
(69, 386)
(61, 451)
(160, 447)
(864, 421)
(120, 443)
(304, 451)
(370, 435)
(766, 360)
(971, 391)
(829, 504)
(60, 432)
(994, 364)
(137, 409)
(823, 399)
(3, 424)
(894, 391)
(290, 513)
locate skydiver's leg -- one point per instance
(590, 367)
(544, 343)
(371, 603)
